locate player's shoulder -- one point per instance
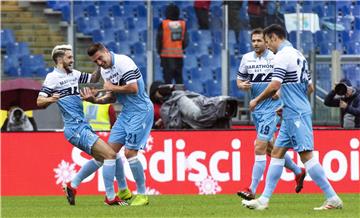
(124, 62)
(122, 58)
(249, 56)
(76, 72)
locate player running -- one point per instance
(254, 74)
(124, 83)
(291, 74)
(61, 86)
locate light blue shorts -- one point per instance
(296, 133)
(265, 125)
(132, 130)
(81, 137)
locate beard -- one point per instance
(68, 68)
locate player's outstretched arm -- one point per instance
(130, 88)
(244, 85)
(43, 101)
(95, 76)
(87, 95)
(270, 90)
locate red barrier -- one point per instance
(175, 162)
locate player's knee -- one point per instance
(130, 153)
(109, 154)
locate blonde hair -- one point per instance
(59, 51)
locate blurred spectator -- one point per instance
(101, 117)
(171, 41)
(17, 120)
(257, 13)
(235, 23)
(347, 98)
(202, 13)
(157, 100)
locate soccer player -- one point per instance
(291, 74)
(254, 74)
(123, 81)
(61, 86)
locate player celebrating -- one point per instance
(62, 87)
(254, 74)
(124, 82)
(291, 74)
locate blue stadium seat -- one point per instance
(17, 49)
(121, 35)
(217, 36)
(103, 36)
(355, 36)
(245, 36)
(326, 48)
(216, 73)
(215, 49)
(138, 48)
(32, 65)
(234, 90)
(133, 36)
(143, 36)
(212, 88)
(352, 48)
(140, 11)
(194, 86)
(11, 66)
(244, 48)
(190, 62)
(116, 11)
(356, 10)
(90, 11)
(113, 46)
(124, 48)
(7, 37)
(357, 23)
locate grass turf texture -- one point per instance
(284, 205)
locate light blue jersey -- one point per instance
(133, 125)
(124, 71)
(290, 68)
(77, 129)
(258, 70)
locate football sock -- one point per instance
(108, 174)
(119, 173)
(89, 168)
(290, 164)
(138, 173)
(317, 174)
(274, 172)
(257, 172)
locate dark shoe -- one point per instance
(70, 193)
(300, 180)
(246, 194)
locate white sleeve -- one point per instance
(242, 73)
(280, 67)
(48, 87)
(82, 77)
(131, 71)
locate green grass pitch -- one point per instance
(281, 205)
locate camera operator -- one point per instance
(347, 98)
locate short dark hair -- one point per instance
(94, 48)
(276, 29)
(257, 31)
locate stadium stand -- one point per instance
(122, 27)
